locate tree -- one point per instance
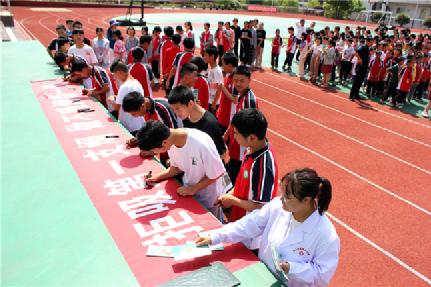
(427, 22)
(313, 4)
(341, 9)
(402, 19)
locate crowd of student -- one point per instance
(210, 134)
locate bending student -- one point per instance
(298, 240)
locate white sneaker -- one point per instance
(424, 114)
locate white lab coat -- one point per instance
(312, 249)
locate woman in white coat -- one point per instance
(299, 243)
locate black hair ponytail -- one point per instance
(325, 195)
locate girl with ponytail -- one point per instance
(299, 243)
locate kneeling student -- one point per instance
(192, 152)
(299, 242)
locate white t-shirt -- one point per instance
(300, 30)
(348, 53)
(130, 122)
(101, 49)
(215, 77)
(199, 158)
(85, 52)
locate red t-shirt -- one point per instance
(405, 80)
(427, 72)
(164, 62)
(168, 59)
(276, 45)
(140, 73)
(203, 91)
(257, 180)
(375, 68)
(225, 109)
(181, 59)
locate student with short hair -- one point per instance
(246, 50)
(69, 28)
(101, 48)
(277, 42)
(228, 99)
(191, 152)
(103, 85)
(206, 38)
(201, 84)
(77, 25)
(295, 231)
(53, 47)
(131, 41)
(290, 50)
(257, 180)
(155, 47)
(168, 60)
(180, 59)
(194, 116)
(157, 109)
(82, 49)
(246, 99)
(144, 44)
(129, 84)
(215, 77)
(141, 72)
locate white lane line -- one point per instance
(44, 26)
(427, 212)
(348, 137)
(346, 114)
(346, 99)
(10, 33)
(381, 249)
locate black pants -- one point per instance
(391, 92)
(245, 53)
(357, 82)
(333, 72)
(155, 67)
(274, 60)
(423, 86)
(380, 88)
(400, 97)
(235, 47)
(298, 42)
(307, 62)
(372, 88)
(233, 168)
(346, 68)
(289, 59)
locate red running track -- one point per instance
(377, 158)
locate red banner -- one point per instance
(113, 176)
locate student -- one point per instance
(157, 109)
(82, 49)
(218, 36)
(425, 80)
(201, 85)
(110, 33)
(228, 39)
(261, 36)
(303, 52)
(155, 58)
(315, 59)
(246, 45)
(129, 84)
(417, 71)
(294, 230)
(228, 99)
(53, 47)
(290, 50)
(346, 61)
(189, 77)
(328, 62)
(168, 60)
(101, 48)
(393, 71)
(206, 38)
(277, 42)
(404, 84)
(376, 66)
(131, 41)
(215, 77)
(119, 47)
(69, 28)
(194, 116)
(141, 72)
(246, 99)
(257, 181)
(237, 30)
(179, 30)
(300, 29)
(77, 25)
(192, 152)
(189, 30)
(144, 44)
(103, 85)
(180, 60)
